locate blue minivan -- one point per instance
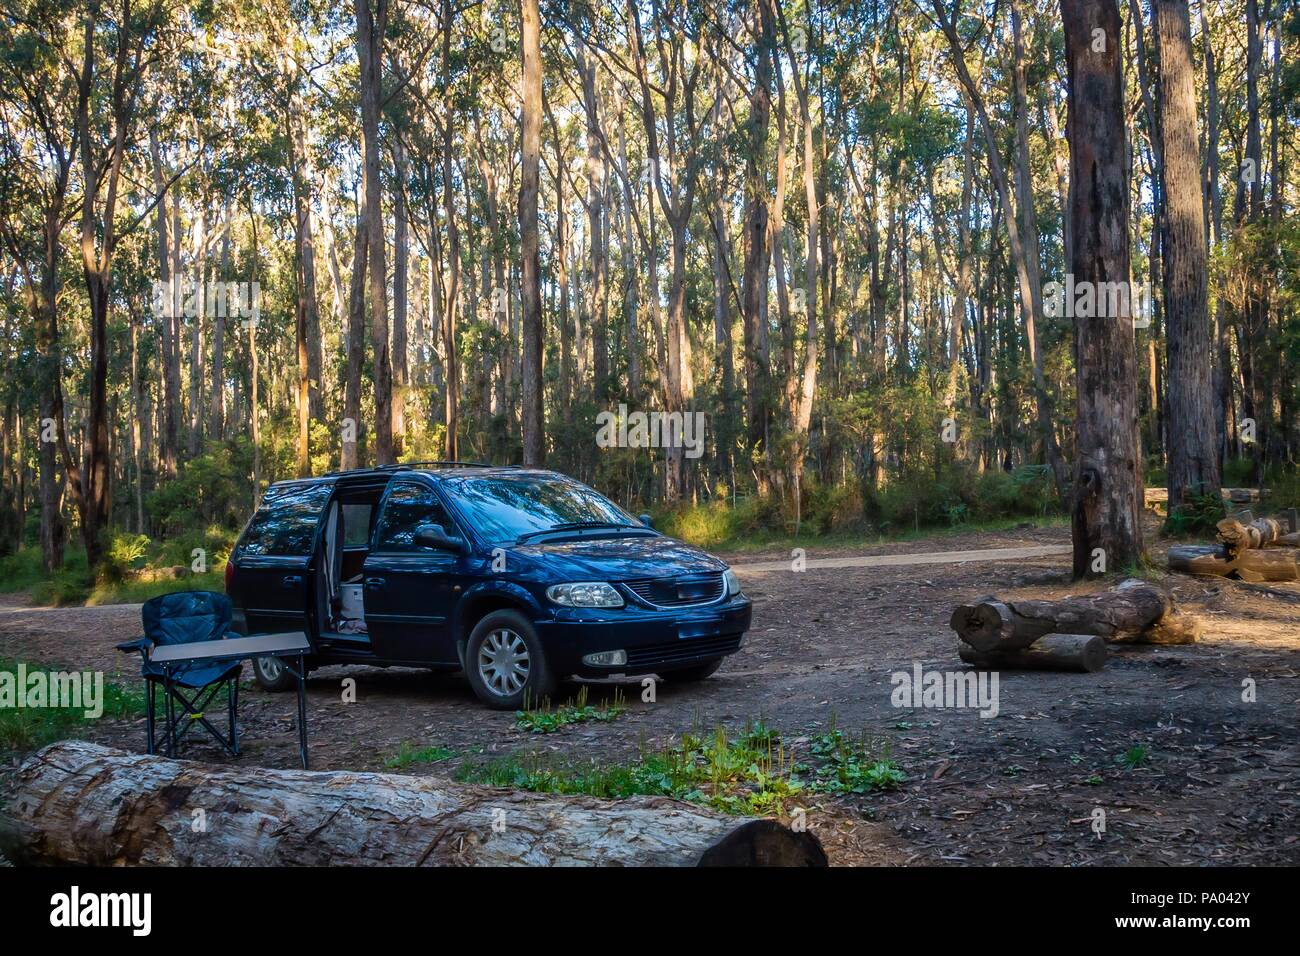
(519, 577)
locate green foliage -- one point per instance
(853, 766)
(1134, 757)
(212, 489)
(139, 591)
(750, 772)
(407, 755)
(546, 720)
(1197, 514)
(27, 728)
(124, 554)
(21, 570)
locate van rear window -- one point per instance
(286, 522)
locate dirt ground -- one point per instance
(1222, 785)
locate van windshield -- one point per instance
(502, 509)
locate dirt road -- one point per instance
(1221, 782)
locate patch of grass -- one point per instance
(21, 570)
(71, 585)
(29, 728)
(1134, 757)
(547, 719)
(408, 754)
(749, 772)
(136, 592)
(853, 766)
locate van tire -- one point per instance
(271, 675)
(505, 663)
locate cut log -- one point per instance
(82, 804)
(1237, 536)
(1127, 610)
(1274, 565)
(1052, 652)
(1249, 565)
(1206, 559)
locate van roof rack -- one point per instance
(440, 464)
(410, 465)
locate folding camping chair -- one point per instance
(187, 617)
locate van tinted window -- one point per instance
(286, 522)
(407, 507)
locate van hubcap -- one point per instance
(503, 662)
(270, 669)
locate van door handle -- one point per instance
(291, 580)
(374, 584)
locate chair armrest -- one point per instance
(140, 644)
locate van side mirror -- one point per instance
(647, 521)
(435, 536)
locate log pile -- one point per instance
(1069, 634)
(78, 803)
(1250, 549)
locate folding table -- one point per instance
(290, 644)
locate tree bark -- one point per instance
(1193, 449)
(530, 286)
(371, 16)
(1053, 652)
(77, 803)
(1130, 609)
(1106, 510)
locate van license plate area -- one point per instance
(705, 629)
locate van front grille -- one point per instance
(682, 591)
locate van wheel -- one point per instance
(697, 673)
(505, 663)
(271, 674)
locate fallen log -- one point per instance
(1085, 653)
(1237, 536)
(1275, 565)
(1248, 565)
(1126, 611)
(1205, 559)
(82, 804)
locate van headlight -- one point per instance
(585, 594)
(733, 582)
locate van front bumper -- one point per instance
(655, 641)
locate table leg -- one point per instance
(302, 708)
(233, 703)
(150, 688)
(171, 712)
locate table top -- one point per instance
(235, 647)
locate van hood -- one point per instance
(618, 558)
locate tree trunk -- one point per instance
(356, 347)
(530, 286)
(1193, 450)
(754, 282)
(81, 804)
(370, 42)
(1106, 510)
